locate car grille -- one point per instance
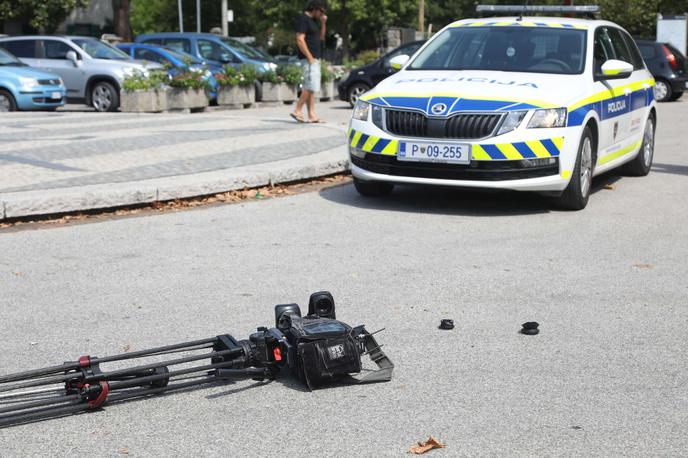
(476, 171)
(51, 82)
(463, 126)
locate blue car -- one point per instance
(214, 49)
(24, 88)
(173, 60)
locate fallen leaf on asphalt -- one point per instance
(123, 451)
(643, 266)
(424, 447)
(126, 348)
(610, 187)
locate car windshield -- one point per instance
(243, 49)
(99, 50)
(508, 49)
(9, 60)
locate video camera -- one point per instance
(317, 348)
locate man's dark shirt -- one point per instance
(309, 26)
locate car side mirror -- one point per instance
(399, 61)
(615, 70)
(72, 57)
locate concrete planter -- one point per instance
(280, 92)
(153, 101)
(236, 95)
(327, 90)
(288, 93)
(186, 98)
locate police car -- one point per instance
(521, 103)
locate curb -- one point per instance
(95, 197)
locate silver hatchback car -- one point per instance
(92, 70)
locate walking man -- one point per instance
(310, 32)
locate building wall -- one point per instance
(98, 14)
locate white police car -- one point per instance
(521, 103)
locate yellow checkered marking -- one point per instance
(372, 141)
(478, 152)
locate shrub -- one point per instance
(190, 79)
(291, 74)
(245, 75)
(141, 81)
(326, 73)
(271, 76)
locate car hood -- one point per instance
(27, 72)
(471, 90)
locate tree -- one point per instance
(40, 14)
(121, 13)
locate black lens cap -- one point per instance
(446, 324)
(530, 328)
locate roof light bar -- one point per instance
(521, 9)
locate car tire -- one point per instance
(662, 90)
(104, 97)
(7, 102)
(355, 91)
(373, 188)
(640, 166)
(677, 95)
(576, 194)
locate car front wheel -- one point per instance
(7, 102)
(576, 194)
(372, 188)
(355, 91)
(104, 97)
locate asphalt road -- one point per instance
(606, 376)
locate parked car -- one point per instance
(25, 88)
(92, 70)
(524, 104)
(173, 60)
(668, 66)
(214, 49)
(362, 79)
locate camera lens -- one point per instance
(322, 305)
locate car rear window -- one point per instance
(648, 51)
(21, 48)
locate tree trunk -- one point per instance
(344, 29)
(120, 9)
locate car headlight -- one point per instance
(28, 84)
(512, 121)
(361, 110)
(553, 117)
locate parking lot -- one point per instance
(606, 376)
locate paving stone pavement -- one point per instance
(45, 154)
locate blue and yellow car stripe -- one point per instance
(622, 99)
(534, 149)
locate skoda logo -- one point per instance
(438, 108)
